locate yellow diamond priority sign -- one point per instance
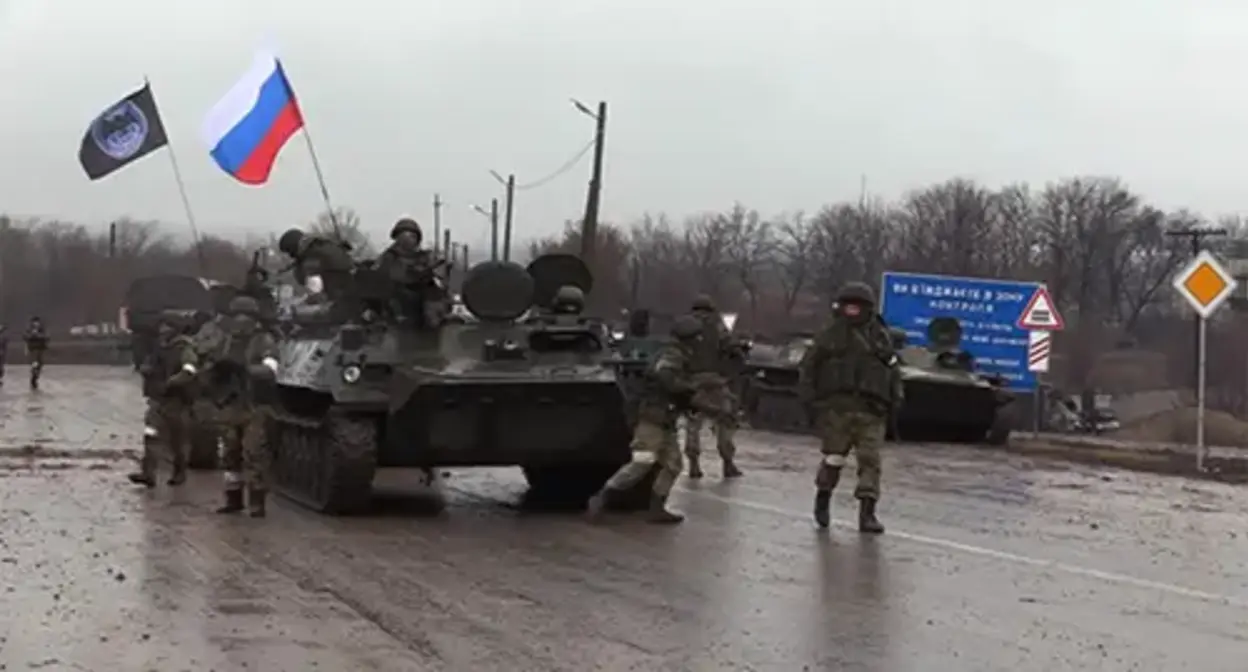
(1205, 283)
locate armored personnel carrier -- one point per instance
(946, 400)
(769, 399)
(358, 389)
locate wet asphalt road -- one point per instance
(991, 562)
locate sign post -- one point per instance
(1206, 285)
(1040, 318)
(987, 308)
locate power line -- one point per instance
(568, 165)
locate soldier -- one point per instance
(412, 271)
(851, 383)
(36, 337)
(168, 405)
(709, 366)
(236, 360)
(668, 392)
(321, 264)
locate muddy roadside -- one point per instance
(1223, 464)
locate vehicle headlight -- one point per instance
(351, 374)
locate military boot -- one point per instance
(731, 470)
(178, 477)
(596, 505)
(695, 467)
(660, 514)
(233, 502)
(255, 502)
(823, 508)
(867, 522)
(825, 483)
(146, 475)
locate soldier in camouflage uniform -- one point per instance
(320, 264)
(412, 270)
(236, 362)
(167, 419)
(851, 383)
(669, 391)
(709, 365)
(36, 337)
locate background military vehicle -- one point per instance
(148, 297)
(769, 398)
(946, 400)
(357, 390)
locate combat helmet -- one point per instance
(244, 305)
(406, 225)
(569, 298)
(703, 302)
(857, 292)
(686, 327)
(289, 242)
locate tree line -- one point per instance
(1101, 248)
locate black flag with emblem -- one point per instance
(127, 131)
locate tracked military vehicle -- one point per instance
(770, 397)
(946, 399)
(358, 390)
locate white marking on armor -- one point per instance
(1006, 556)
(315, 284)
(271, 363)
(190, 368)
(150, 431)
(834, 460)
(233, 478)
(644, 457)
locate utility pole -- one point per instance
(437, 225)
(589, 227)
(494, 229)
(1197, 236)
(511, 194)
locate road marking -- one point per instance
(949, 544)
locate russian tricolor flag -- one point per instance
(247, 129)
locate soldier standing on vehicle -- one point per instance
(851, 384)
(412, 270)
(668, 392)
(236, 362)
(36, 338)
(167, 419)
(320, 264)
(709, 363)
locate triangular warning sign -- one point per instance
(1040, 313)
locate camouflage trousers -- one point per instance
(166, 422)
(653, 444)
(842, 431)
(246, 455)
(713, 390)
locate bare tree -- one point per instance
(748, 251)
(343, 225)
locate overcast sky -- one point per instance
(781, 104)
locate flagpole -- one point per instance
(316, 162)
(186, 201)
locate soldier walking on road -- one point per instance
(236, 361)
(668, 392)
(851, 384)
(710, 363)
(36, 337)
(167, 419)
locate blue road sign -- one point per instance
(988, 310)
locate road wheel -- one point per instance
(328, 467)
